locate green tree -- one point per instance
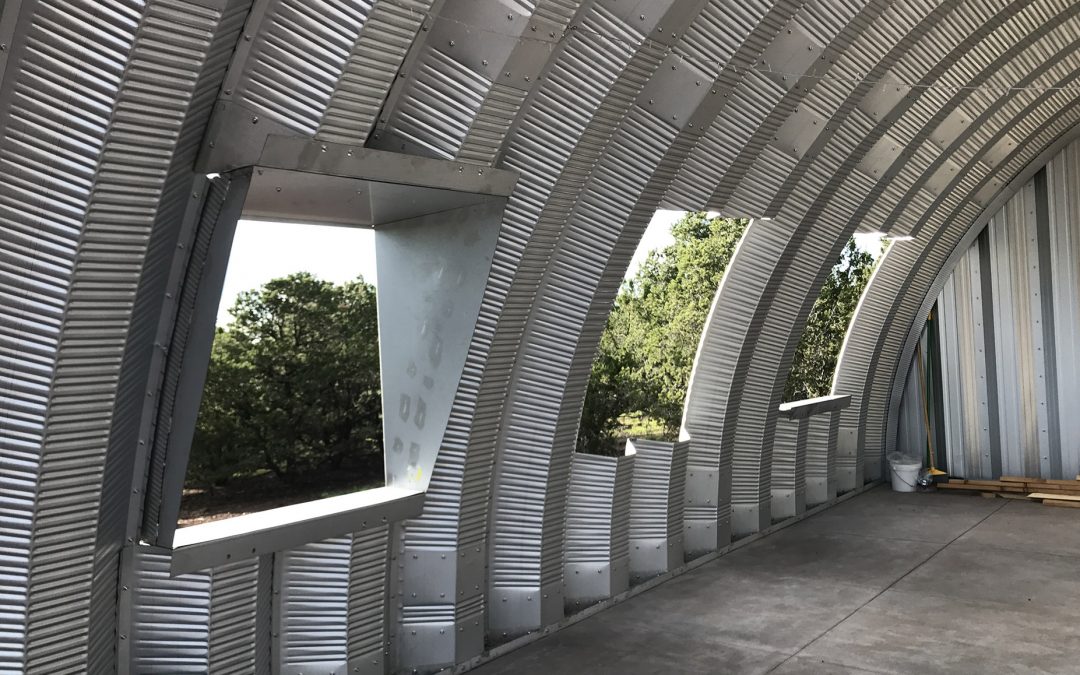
(646, 353)
(293, 385)
(648, 346)
(815, 357)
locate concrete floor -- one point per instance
(881, 583)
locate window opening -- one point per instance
(814, 363)
(291, 409)
(637, 385)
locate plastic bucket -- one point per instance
(904, 475)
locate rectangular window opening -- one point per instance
(291, 410)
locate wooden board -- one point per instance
(1005, 486)
(1061, 503)
(1054, 497)
(1048, 481)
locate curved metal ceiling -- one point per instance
(824, 116)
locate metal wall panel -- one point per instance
(311, 589)
(902, 293)
(373, 65)
(821, 484)
(240, 617)
(789, 467)
(656, 507)
(1009, 366)
(170, 616)
(369, 575)
(597, 557)
(596, 157)
(298, 54)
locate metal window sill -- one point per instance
(814, 406)
(225, 541)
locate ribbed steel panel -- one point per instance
(594, 161)
(63, 181)
(541, 418)
(297, 58)
(789, 468)
(239, 618)
(1024, 270)
(374, 63)
(312, 593)
(597, 557)
(176, 62)
(368, 587)
(1063, 175)
(911, 431)
(170, 616)
(821, 458)
(657, 495)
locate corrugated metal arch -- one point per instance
(824, 116)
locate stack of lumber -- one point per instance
(1065, 493)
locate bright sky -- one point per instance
(263, 251)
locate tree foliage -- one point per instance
(815, 357)
(642, 369)
(652, 333)
(293, 385)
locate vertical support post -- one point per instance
(789, 467)
(657, 496)
(821, 458)
(596, 564)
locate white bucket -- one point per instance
(904, 475)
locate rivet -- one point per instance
(451, 43)
(254, 120)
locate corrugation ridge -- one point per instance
(444, 98)
(166, 74)
(62, 98)
(298, 58)
(492, 124)
(170, 621)
(373, 64)
(313, 601)
(368, 578)
(170, 379)
(233, 621)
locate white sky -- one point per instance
(263, 251)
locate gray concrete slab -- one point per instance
(1028, 526)
(883, 583)
(933, 517)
